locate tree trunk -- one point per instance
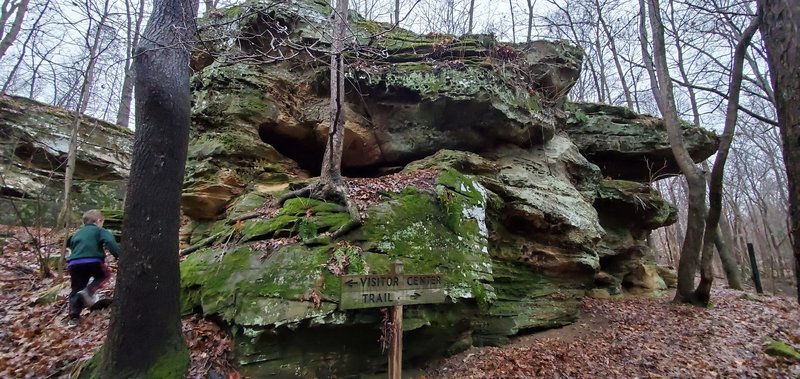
(126, 96)
(6, 41)
(780, 30)
(703, 292)
(332, 161)
(530, 20)
(397, 12)
(144, 336)
(513, 22)
(645, 48)
(695, 225)
(330, 185)
(63, 220)
(471, 13)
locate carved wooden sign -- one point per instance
(377, 291)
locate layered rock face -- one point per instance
(629, 146)
(520, 200)
(34, 140)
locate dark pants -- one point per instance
(79, 276)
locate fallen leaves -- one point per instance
(650, 338)
(36, 342)
(367, 191)
(633, 337)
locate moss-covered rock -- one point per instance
(629, 146)
(34, 140)
(514, 221)
(273, 297)
(411, 95)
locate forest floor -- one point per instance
(646, 337)
(640, 337)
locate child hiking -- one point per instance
(86, 262)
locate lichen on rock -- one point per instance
(34, 141)
(519, 221)
(630, 146)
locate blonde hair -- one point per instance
(92, 216)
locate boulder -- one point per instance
(630, 146)
(34, 140)
(643, 278)
(546, 220)
(502, 246)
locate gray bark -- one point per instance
(145, 329)
(8, 8)
(132, 39)
(662, 90)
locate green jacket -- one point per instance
(88, 242)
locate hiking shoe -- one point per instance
(100, 303)
(88, 300)
(73, 322)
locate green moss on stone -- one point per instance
(245, 287)
(413, 228)
(303, 216)
(781, 349)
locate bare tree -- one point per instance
(27, 42)
(614, 53)
(780, 30)
(96, 46)
(330, 185)
(8, 8)
(662, 90)
(133, 25)
(703, 291)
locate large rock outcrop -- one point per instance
(489, 184)
(630, 146)
(408, 95)
(485, 180)
(34, 139)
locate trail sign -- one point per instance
(393, 290)
(377, 291)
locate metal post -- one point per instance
(754, 266)
(396, 347)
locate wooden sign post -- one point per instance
(396, 348)
(393, 290)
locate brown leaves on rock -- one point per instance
(367, 191)
(36, 342)
(364, 192)
(650, 338)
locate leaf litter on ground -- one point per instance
(639, 337)
(648, 337)
(37, 342)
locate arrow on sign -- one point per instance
(351, 282)
(415, 295)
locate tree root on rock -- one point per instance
(328, 191)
